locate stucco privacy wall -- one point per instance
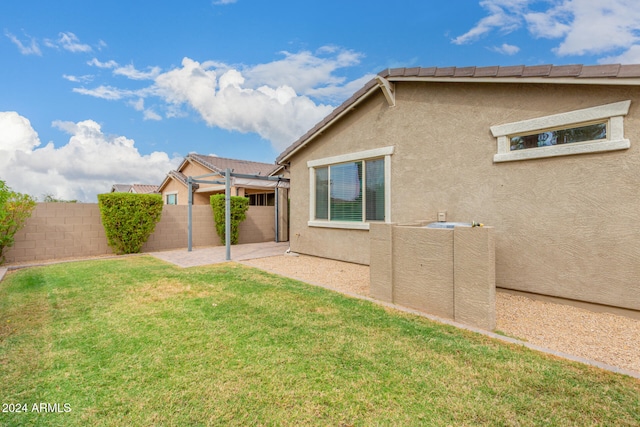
(444, 272)
(564, 226)
(63, 230)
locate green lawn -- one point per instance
(137, 342)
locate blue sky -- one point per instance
(93, 94)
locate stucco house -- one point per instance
(548, 155)
(174, 187)
(264, 195)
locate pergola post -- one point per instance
(227, 211)
(190, 201)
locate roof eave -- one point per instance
(526, 80)
(170, 176)
(203, 163)
(310, 137)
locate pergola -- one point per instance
(231, 178)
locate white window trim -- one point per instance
(383, 152)
(612, 113)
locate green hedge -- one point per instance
(239, 206)
(129, 219)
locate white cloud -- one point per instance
(631, 56)
(223, 2)
(109, 64)
(506, 49)
(505, 15)
(130, 72)
(305, 71)
(149, 114)
(585, 27)
(31, 48)
(279, 100)
(599, 26)
(88, 164)
(277, 114)
(69, 41)
(78, 79)
(16, 134)
(106, 92)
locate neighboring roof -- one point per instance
(220, 164)
(178, 176)
(144, 188)
(612, 74)
(120, 188)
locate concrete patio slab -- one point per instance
(217, 254)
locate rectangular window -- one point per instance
(341, 196)
(262, 199)
(594, 132)
(172, 199)
(349, 190)
(590, 130)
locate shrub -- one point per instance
(239, 206)
(50, 198)
(15, 208)
(129, 219)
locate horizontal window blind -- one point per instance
(351, 191)
(322, 193)
(374, 172)
(346, 192)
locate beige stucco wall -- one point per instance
(175, 187)
(565, 226)
(66, 230)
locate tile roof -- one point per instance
(178, 176)
(144, 188)
(120, 188)
(552, 74)
(520, 71)
(220, 164)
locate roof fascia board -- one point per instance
(184, 163)
(539, 80)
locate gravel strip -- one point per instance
(603, 337)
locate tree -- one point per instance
(15, 208)
(50, 198)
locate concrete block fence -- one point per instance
(67, 230)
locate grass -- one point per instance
(138, 342)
